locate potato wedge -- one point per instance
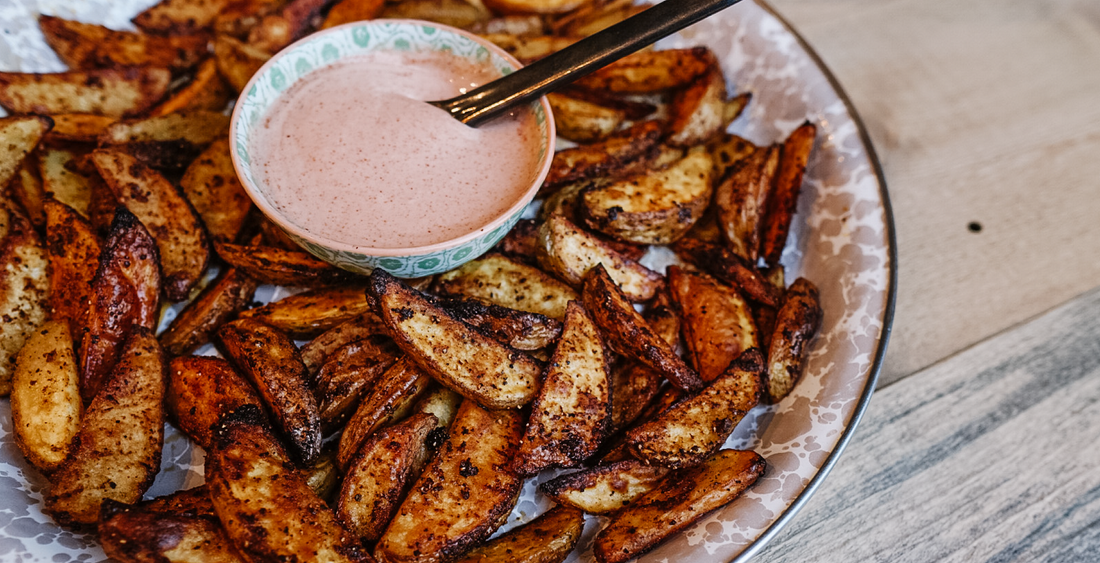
(281, 267)
(62, 183)
(24, 290)
(266, 506)
(691, 430)
(796, 324)
(276, 31)
(45, 398)
(463, 494)
(522, 241)
(654, 208)
(730, 268)
(533, 6)
(648, 72)
(240, 16)
(550, 538)
(88, 46)
(73, 250)
(583, 121)
(78, 127)
(516, 25)
(701, 111)
(604, 158)
(680, 500)
(188, 502)
(382, 472)
(629, 334)
(500, 280)
(318, 350)
(519, 329)
(788, 184)
(168, 142)
(26, 189)
(18, 137)
(347, 374)
(604, 489)
(117, 451)
(453, 353)
(634, 385)
(455, 13)
(125, 294)
(200, 390)
(207, 91)
(219, 302)
(212, 187)
(728, 151)
(440, 402)
(528, 49)
(308, 314)
(633, 109)
(740, 200)
(571, 252)
(179, 17)
(718, 325)
(133, 534)
(181, 238)
(572, 411)
(270, 360)
(237, 62)
(112, 92)
(347, 11)
(390, 399)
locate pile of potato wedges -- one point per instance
(372, 418)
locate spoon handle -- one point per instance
(577, 60)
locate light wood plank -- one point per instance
(989, 456)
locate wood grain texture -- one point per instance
(981, 111)
(988, 456)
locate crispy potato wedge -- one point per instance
(125, 293)
(628, 333)
(633, 109)
(24, 291)
(788, 184)
(211, 185)
(112, 92)
(88, 46)
(571, 252)
(318, 350)
(728, 151)
(200, 390)
(347, 11)
(347, 374)
(647, 72)
(522, 241)
(604, 158)
(169, 141)
(26, 189)
(572, 411)
(270, 360)
(528, 49)
(382, 472)
(73, 250)
(517, 25)
(455, 13)
(281, 267)
(189, 502)
(133, 534)
(718, 325)
(18, 137)
(533, 6)
(550, 538)
(214, 306)
(207, 91)
(654, 208)
(740, 199)
(634, 384)
(181, 238)
(600, 19)
(79, 127)
(583, 121)
(440, 402)
(730, 268)
(237, 62)
(308, 314)
(691, 430)
(45, 398)
(62, 183)
(463, 494)
(179, 17)
(765, 314)
(603, 489)
(796, 324)
(240, 16)
(680, 500)
(117, 452)
(103, 204)
(455, 354)
(500, 280)
(390, 399)
(265, 504)
(519, 329)
(700, 112)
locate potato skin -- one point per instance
(348, 374)
(550, 538)
(308, 314)
(200, 390)
(86, 46)
(317, 351)
(73, 249)
(603, 158)
(783, 202)
(281, 267)
(519, 329)
(796, 324)
(214, 306)
(396, 391)
(45, 399)
(717, 322)
(740, 201)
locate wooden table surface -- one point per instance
(981, 441)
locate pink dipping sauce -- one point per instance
(353, 154)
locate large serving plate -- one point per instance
(842, 240)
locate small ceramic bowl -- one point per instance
(321, 49)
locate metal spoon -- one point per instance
(579, 59)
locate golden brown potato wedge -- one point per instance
(237, 62)
(189, 502)
(634, 384)
(308, 314)
(605, 488)
(318, 350)
(265, 504)
(281, 267)
(728, 267)
(628, 333)
(654, 208)
(528, 49)
(278, 30)
(463, 494)
(440, 402)
(517, 25)
(117, 452)
(26, 189)
(18, 137)
(633, 108)
(211, 185)
(181, 238)
(62, 183)
(113, 92)
(24, 290)
(694, 428)
(270, 360)
(125, 293)
(646, 72)
(390, 399)
(87, 46)
(572, 411)
(168, 141)
(700, 112)
(796, 324)
(455, 13)
(207, 91)
(533, 6)
(681, 499)
(740, 199)
(45, 396)
(214, 306)
(788, 184)
(728, 151)
(134, 534)
(503, 281)
(583, 121)
(604, 158)
(455, 354)
(79, 127)
(519, 329)
(200, 390)
(597, 20)
(179, 17)
(382, 472)
(717, 325)
(347, 374)
(240, 16)
(571, 252)
(347, 11)
(73, 250)
(550, 538)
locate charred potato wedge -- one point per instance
(237, 62)
(530, 48)
(112, 92)
(281, 267)
(219, 302)
(347, 374)
(212, 187)
(177, 17)
(390, 399)
(167, 142)
(517, 25)
(788, 184)
(634, 385)
(347, 11)
(717, 322)
(318, 350)
(648, 72)
(310, 313)
(550, 538)
(88, 46)
(603, 158)
(533, 6)
(700, 112)
(45, 396)
(503, 281)
(583, 121)
(723, 264)
(796, 324)
(519, 329)
(276, 31)
(200, 390)
(18, 137)
(605, 488)
(79, 127)
(570, 252)
(73, 250)
(63, 184)
(133, 534)
(740, 199)
(521, 242)
(26, 189)
(206, 91)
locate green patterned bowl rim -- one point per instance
(325, 47)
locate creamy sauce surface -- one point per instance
(352, 153)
